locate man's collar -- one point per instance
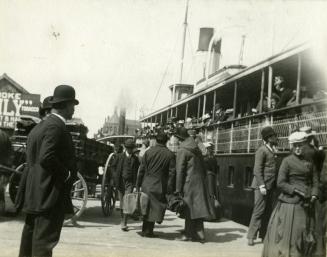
(60, 117)
(271, 149)
(127, 154)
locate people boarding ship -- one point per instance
(286, 91)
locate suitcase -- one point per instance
(136, 204)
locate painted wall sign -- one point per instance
(13, 105)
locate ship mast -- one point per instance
(183, 44)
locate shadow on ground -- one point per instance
(219, 235)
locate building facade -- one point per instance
(15, 102)
(111, 126)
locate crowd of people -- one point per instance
(176, 171)
(289, 204)
(160, 173)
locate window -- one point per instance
(231, 176)
(248, 176)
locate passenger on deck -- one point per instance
(273, 102)
(219, 113)
(285, 94)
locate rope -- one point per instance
(164, 75)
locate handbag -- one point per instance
(136, 204)
(176, 204)
(306, 243)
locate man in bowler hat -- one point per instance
(157, 178)
(126, 167)
(264, 183)
(45, 108)
(51, 172)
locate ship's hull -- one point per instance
(237, 198)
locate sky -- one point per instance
(127, 52)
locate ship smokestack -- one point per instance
(122, 121)
(205, 37)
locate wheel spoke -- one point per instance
(76, 182)
(78, 190)
(78, 198)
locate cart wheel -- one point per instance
(14, 182)
(108, 199)
(79, 195)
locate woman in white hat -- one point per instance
(298, 183)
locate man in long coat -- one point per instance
(264, 184)
(191, 184)
(51, 172)
(126, 166)
(157, 171)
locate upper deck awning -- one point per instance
(214, 82)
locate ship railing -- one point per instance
(246, 138)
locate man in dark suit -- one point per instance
(157, 177)
(126, 166)
(264, 183)
(51, 172)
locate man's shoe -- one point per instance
(124, 227)
(200, 240)
(149, 235)
(183, 238)
(250, 242)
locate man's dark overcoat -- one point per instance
(50, 156)
(157, 171)
(122, 175)
(191, 180)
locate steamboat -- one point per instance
(247, 97)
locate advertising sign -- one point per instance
(13, 105)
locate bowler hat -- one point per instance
(63, 93)
(267, 132)
(181, 133)
(129, 143)
(46, 105)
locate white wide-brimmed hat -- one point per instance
(297, 137)
(308, 130)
